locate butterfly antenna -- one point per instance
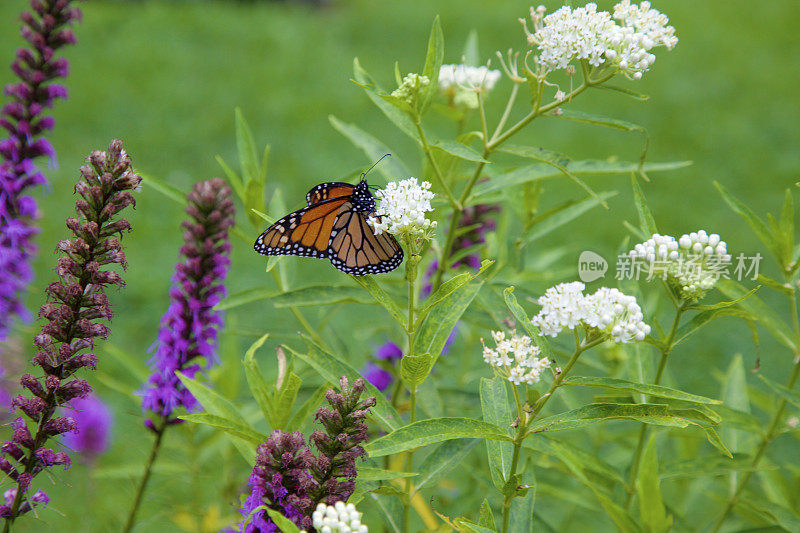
(384, 156)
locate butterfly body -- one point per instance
(334, 226)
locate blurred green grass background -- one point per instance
(166, 76)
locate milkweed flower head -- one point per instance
(607, 312)
(46, 29)
(402, 209)
(76, 306)
(515, 358)
(188, 334)
(411, 87)
(691, 264)
(94, 421)
(338, 518)
(462, 83)
(623, 40)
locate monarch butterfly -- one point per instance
(334, 226)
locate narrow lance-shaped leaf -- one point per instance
(259, 388)
(232, 427)
(434, 331)
(563, 215)
(433, 62)
(496, 410)
(646, 221)
(522, 320)
(434, 430)
(442, 460)
(332, 368)
(390, 168)
(319, 295)
(652, 512)
(643, 388)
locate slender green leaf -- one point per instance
(433, 62)
(459, 150)
(624, 90)
(471, 55)
(646, 221)
(285, 525)
(285, 398)
(245, 297)
(318, 295)
(722, 305)
(486, 517)
(758, 226)
(765, 314)
(445, 289)
(168, 190)
(237, 429)
(259, 388)
(391, 511)
(382, 297)
(214, 404)
(437, 326)
(233, 178)
(390, 168)
(310, 405)
(540, 171)
(432, 430)
(554, 159)
(246, 147)
(563, 215)
(652, 512)
(656, 414)
(791, 396)
(642, 388)
(332, 368)
(263, 216)
(368, 473)
(700, 319)
(496, 410)
(522, 320)
(521, 514)
(398, 118)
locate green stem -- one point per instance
(489, 148)
(411, 275)
(146, 477)
(772, 429)
(521, 428)
(436, 170)
(644, 430)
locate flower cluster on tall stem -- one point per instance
(288, 477)
(77, 304)
(188, 335)
(46, 28)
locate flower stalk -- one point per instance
(75, 305)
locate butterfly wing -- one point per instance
(355, 249)
(328, 191)
(305, 232)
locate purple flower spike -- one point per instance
(75, 306)
(289, 479)
(46, 28)
(94, 427)
(189, 328)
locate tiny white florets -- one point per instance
(460, 76)
(402, 208)
(607, 311)
(585, 33)
(691, 264)
(515, 358)
(338, 518)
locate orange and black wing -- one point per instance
(305, 232)
(356, 250)
(328, 191)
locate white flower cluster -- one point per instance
(691, 264)
(338, 518)
(586, 33)
(410, 87)
(608, 311)
(402, 208)
(515, 358)
(462, 83)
